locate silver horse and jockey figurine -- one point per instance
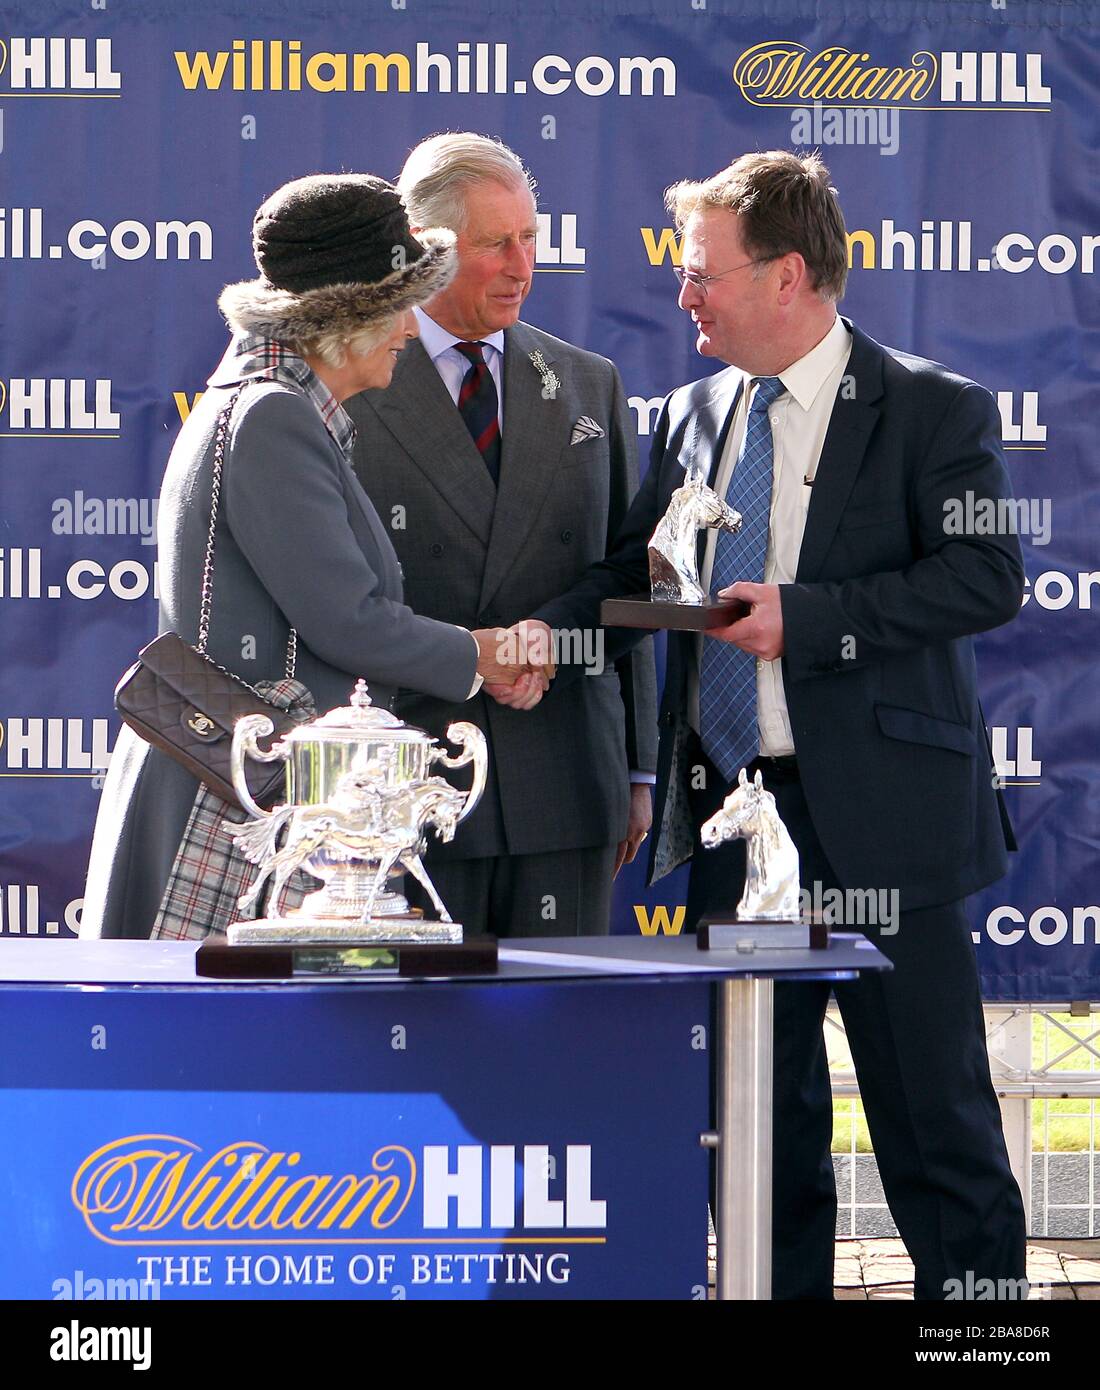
(361, 799)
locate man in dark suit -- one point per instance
(850, 686)
(504, 460)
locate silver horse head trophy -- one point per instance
(771, 872)
(673, 551)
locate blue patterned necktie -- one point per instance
(727, 677)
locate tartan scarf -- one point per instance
(210, 873)
(255, 358)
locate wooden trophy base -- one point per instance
(217, 960)
(639, 610)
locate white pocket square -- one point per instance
(586, 428)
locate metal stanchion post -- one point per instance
(744, 1139)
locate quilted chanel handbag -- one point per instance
(180, 700)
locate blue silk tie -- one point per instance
(727, 677)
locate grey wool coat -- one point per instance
(298, 543)
(488, 556)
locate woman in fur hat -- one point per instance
(303, 564)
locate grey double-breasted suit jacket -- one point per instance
(484, 555)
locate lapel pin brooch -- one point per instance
(550, 381)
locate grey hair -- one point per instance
(439, 170)
(335, 346)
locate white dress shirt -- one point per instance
(799, 421)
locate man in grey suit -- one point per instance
(503, 460)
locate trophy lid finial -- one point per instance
(359, 718)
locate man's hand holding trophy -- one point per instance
(677, 600)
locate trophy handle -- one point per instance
(245, 733)
(474, 750)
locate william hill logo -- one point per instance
(149, 1189)
(58, 745)
(57, 67)
(784, 73)
(556, 245)
(58, 405)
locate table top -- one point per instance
(532, 960)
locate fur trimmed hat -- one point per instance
(335, 253)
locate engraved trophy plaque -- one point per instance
(361, 801)
(676, 600)
(770, 911)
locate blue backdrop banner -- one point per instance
(137, 138)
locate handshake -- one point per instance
(516, 663)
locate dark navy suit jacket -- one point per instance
(878, 669)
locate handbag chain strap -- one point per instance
(208, 562)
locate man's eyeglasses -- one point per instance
(700, 282)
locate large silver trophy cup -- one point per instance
(361, 800)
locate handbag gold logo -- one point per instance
(201, 725)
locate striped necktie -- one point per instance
(477, 404)
(728, 724)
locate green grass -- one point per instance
(1068, 1122)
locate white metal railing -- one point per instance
(1040, 1056)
